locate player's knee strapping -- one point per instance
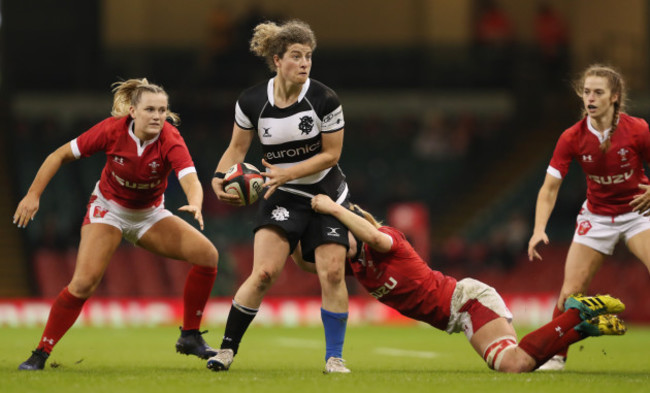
(495, 351)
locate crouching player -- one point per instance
(388, 267)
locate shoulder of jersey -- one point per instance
(117, 121)
(254, 91)
(316, 88)
(253, 98)
(577, 127)
(170, 134)
(635, 121)
(115, 124)
(393, 232)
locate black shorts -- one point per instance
(292, 213)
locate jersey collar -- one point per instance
(601, 137)
(141, 146)
(269, 91)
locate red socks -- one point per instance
(66, 307)
(562, 352)
(545, 342)
(198, 287)
(63, 314)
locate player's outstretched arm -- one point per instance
(240, 142)
(194, 193)
(302, 264)
(360, 227)
(545, 203)
(332, 145)
(29, 205)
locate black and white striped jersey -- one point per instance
(293, 134)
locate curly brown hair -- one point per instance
(269, 39)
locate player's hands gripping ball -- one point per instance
(245, 181)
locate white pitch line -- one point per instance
(406, 353)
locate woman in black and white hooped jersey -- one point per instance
(299, 122)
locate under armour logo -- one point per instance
(48, 340)
(266, 133)
(559, 331)
(587, 158)
(118, 160)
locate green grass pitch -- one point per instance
(408, 359)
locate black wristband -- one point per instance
(219, 175)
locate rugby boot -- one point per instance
(35, 362)
(335, 365)
(191, 342)
(608, 324)
(222, 360)
(593, 306)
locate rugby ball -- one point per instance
(245, 181)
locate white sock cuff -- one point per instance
(244, 309)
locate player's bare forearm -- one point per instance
(360, 227)
(546, 200)
(193, 190)
(301, 263)
(240, 142)
(332, 146)
(313, 165)
(49, 168)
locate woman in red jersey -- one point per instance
(388, 267)
(611, 147)
(141, 149)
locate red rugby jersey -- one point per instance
(135, 174)
(402, 280)
(612, 177)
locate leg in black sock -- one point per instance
(239, 318)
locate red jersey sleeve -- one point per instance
(644, 140)
(563, 153)
(94, 140)
(178, 154)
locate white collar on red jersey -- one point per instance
(141, 146)
(602, 137)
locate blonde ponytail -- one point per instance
(367, 216)
(128, 93)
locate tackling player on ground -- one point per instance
(388, 267)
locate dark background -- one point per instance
(451, 117)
